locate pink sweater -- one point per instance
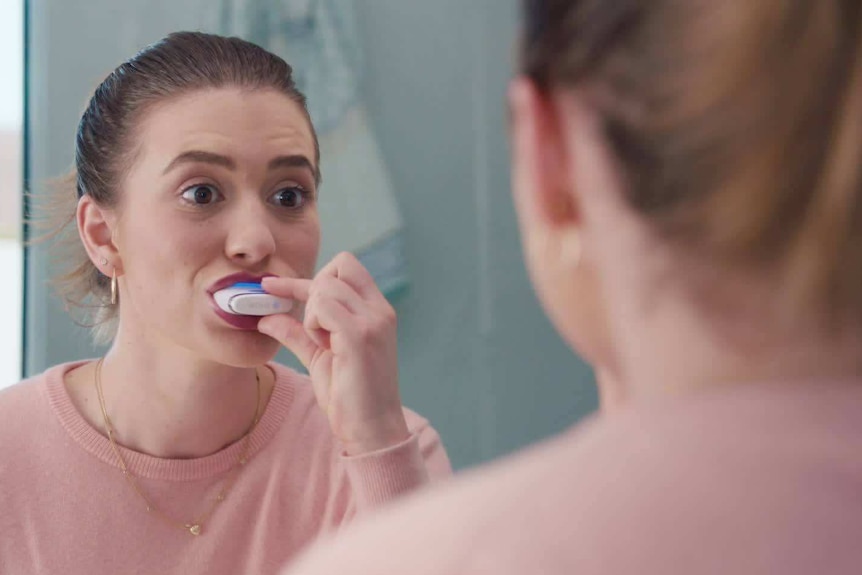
(66, 508)
(763, 479)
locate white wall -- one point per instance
(10, 317)
(11, 113)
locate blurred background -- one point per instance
(409, 100)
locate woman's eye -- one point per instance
(201, 194)
(292, 197)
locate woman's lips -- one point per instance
(244, 322)
(232, 279)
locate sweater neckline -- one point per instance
(151, 467)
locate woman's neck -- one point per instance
(683, 346)
(691, 322)
(170, 404)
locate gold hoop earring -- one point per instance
(114, 287)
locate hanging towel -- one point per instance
(358, 209)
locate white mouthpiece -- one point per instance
(243, 299)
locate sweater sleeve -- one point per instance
(333, 488)
(383, 475)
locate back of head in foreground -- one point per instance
(687, 178)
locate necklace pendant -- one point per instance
(194, 529)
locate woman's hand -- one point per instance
(347, 342)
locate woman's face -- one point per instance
(222, 183)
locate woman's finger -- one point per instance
(331, 287)
(287, 287)
(329, 315)
(348, 269)
(290, 333)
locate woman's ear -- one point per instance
(547, 179)
(96, 226)
(542, 181)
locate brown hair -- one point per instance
(178, 64)
(737, 124)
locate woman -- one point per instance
(185, 449)
(688, 180)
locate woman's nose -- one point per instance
(250, 239)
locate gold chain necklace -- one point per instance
(194, 527)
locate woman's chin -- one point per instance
(243, 348)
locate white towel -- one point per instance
(358, 210)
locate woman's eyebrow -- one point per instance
(294, 161)
(200, 157)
